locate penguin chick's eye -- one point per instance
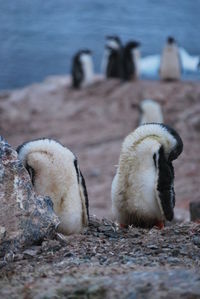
(31, 173)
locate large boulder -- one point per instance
(25, 218)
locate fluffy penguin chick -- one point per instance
(142, 189)
(55, 172)
(150, 112)
(170, 66)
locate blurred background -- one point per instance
(38, 38)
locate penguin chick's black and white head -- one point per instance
(82, 69)
(55, 172)
(113, 58)
(113, 42)
(143, 187)
(130, 60)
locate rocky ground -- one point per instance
(108, 262)
(105, 261)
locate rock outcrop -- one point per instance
(25, 218)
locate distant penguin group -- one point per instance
(124, 62)
(121, 61)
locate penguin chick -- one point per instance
(55, 172)
(150, 112)
(82, 69)
(131, 60)
(113, 58)
(143, 187)
(170, 65)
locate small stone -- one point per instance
(196, 241)
(153, 247)
(68, 254)
(51, 245)
(173, 260)
(30, 252)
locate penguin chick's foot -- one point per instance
(159, 225)
(123, 225)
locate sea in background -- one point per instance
(38, 38)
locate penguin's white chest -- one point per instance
(136, 59)
(87, 69)
(141, 196)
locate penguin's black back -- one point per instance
(128, 64)
(115, 64)
(77, 71)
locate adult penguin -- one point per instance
(82, 69)
(113, 58)
(131, 60)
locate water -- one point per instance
(38, 38)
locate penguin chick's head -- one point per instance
(171, 40)
(133, 45)
(81, 53)
(167, 137)
(86, 52)
(113, 42)
(55, 173)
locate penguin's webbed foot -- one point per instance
(123, 225)
(159, 225)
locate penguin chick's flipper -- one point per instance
(165, 184)
(85, 193)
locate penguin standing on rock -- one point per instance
(131, 60)
(113, 58)
(170, 64)
(82, 69)
(55, 172)
(143, 187)
(150, 112)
